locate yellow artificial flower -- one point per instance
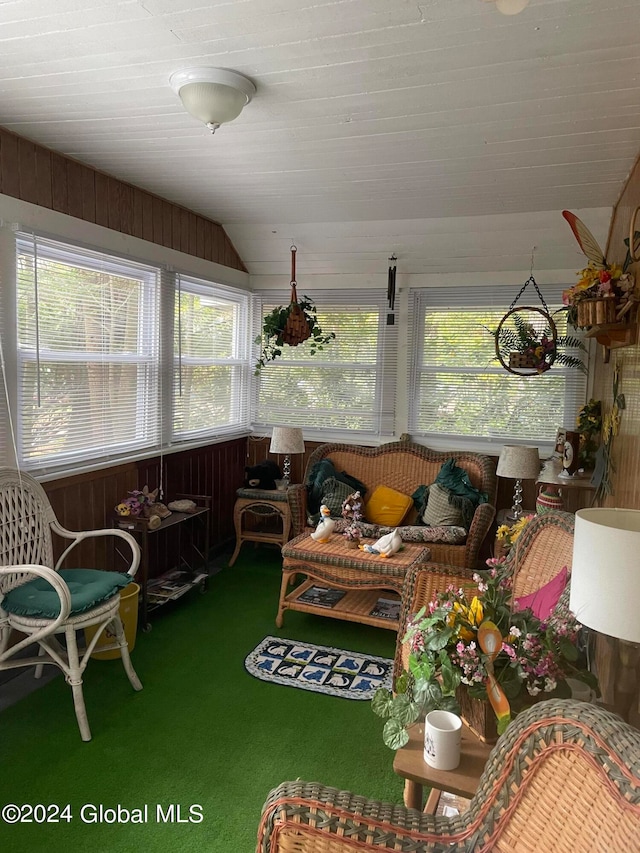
(476, 611)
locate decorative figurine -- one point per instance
(386, 546)
(325, 526)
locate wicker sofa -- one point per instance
(405, 466)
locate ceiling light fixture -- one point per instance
(212, 95)
(510, 7)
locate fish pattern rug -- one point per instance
(319, 668)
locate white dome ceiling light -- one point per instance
(212, 95)
(510, 7)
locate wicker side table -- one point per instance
(262, 505)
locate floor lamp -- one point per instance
(605, 587)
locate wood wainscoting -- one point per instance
(86, 501)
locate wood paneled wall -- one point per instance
(86, 501)
(38, 175)
(626, 446)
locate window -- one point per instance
(348, 386)
(211, 352)
(461, 391)
(115, 358)
(87, 353)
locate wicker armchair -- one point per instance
(539, 553)
(564, 778)
(57, 601)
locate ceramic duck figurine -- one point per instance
(325, 526)
(386, 545)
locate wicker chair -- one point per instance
(539, 553)
(564, 778)
(26, 555)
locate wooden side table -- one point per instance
(263, 505)
(410, 764)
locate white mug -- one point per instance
(442, 734)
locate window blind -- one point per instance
(211, 359)
(87, 353)
(346, 387)
(460, 390)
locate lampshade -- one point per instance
(518, 462)
(605, 576)
(286, 440)
(212, 95)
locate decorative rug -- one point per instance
(319, 668)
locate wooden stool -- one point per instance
(262, 504)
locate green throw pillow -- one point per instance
(335, 493)
(439, 511)
(88, 587)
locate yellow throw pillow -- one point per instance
(387, 507)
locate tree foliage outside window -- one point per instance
(461, 391)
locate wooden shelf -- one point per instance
(614, 335)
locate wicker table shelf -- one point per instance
(334, 564)
(253, 513)
(356, 606)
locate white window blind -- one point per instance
(87, 354)
(347, 387)
(211, 359)
(459, 390)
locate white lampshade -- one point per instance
(212, 95)
(286, 440)
(518, 462)
(605, 576)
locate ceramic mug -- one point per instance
(442, 735)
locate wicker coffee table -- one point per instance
(332, 564)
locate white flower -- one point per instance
(515, 632)
(533, 690)
(549, 685)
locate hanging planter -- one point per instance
(290, 326)
(527, 341)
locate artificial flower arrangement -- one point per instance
(609, 286)
(539, 349)
(589, 424)
(507, 534)
(353, 515)
(504, 656)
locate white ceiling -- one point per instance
(440, 130)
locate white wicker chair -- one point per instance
(27, 521)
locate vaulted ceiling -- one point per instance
(440, 130)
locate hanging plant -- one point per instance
(290, 326)
(526, 351)
(526, 346)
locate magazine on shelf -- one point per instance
(321, 596)
(386, 608)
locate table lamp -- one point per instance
(605, 586)
(518, 463)
(286, 440)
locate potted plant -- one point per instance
(446, 654)
(277, 332)
(290, 326)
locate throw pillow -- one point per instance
(334, 494)
(439, 511)
(88, 587)
(543, 601)
(387, 506)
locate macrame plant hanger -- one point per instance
(528, 354)
(296, 328)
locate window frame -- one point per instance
(470, 298)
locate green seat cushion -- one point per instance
(88, 587)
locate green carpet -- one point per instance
(202, 731)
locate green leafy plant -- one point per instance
(271, 340)
(522, 337)
(445, 652)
